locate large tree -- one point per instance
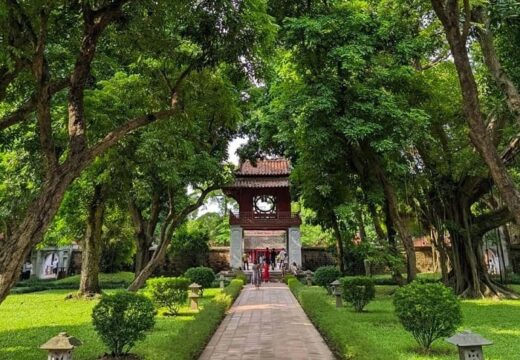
(159, 43)
(456, 18)
(341, 102)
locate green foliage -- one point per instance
(324, 275)
(168, 292)
(189, 248)
(239, 274)
(205, 324)
(287, 277)
(122, 319)
(428, 311)
(358, 291)
(216, 226)
(295, 286)
(201, 275)
(106, 281)
(234, 288)
(118, 247)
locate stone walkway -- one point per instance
(268, 324)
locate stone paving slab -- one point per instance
(266, 323)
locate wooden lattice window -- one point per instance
(264, 206)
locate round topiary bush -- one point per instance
(122, 319)
(169, 292)
(201, 275)
(428, 311)
(324, 275)
(358, 291)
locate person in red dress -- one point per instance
(265, 271)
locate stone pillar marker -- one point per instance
(194, 295)
(295, 246)
(236, 247)
(336, 292)
(221, 278)
(308, 277)
(469, 345)
(61, 346)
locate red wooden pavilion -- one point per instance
(264, 218)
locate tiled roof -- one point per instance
(265, 167)
(252, 182)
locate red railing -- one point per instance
(249, 218)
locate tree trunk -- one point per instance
(376, 222)
(479, 136)
(339, 245)
(398, 222)
(439, 245)
(91, 247)
(361, 224)
(170, 224)
(142, 255)
(470, 278)
(15, 248)
(392, 242)
(144, 230)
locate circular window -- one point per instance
(265, 204)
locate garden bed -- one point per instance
(28, 320)
(106, 281)
(376, 334)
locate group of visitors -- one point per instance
(269, 260)
(273, 258)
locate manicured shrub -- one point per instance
(324, 275)
(358, 291)
(201, 275)
(233, 289)
(428, 311)
(169, 292)
(287, 277)
(202, 328)
(122, 319)
(239, 274)
(295, 286)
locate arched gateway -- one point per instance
(264, 218)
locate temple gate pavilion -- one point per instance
(264, 218)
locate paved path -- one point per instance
(268, 324)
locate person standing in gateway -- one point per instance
(265, 271)
(273, 258)
(245, 261)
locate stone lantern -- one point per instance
(469, 345)
(221, 278)
(308, 277)
(61, 346)
(336, 292)
(194, 295)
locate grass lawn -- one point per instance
(28, 320)
(377, 334)
(106, 281)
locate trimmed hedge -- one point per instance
(233, 289)
(239, 274)
(295, 286)
(287, 277)
(106, 281)
(205, 324)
